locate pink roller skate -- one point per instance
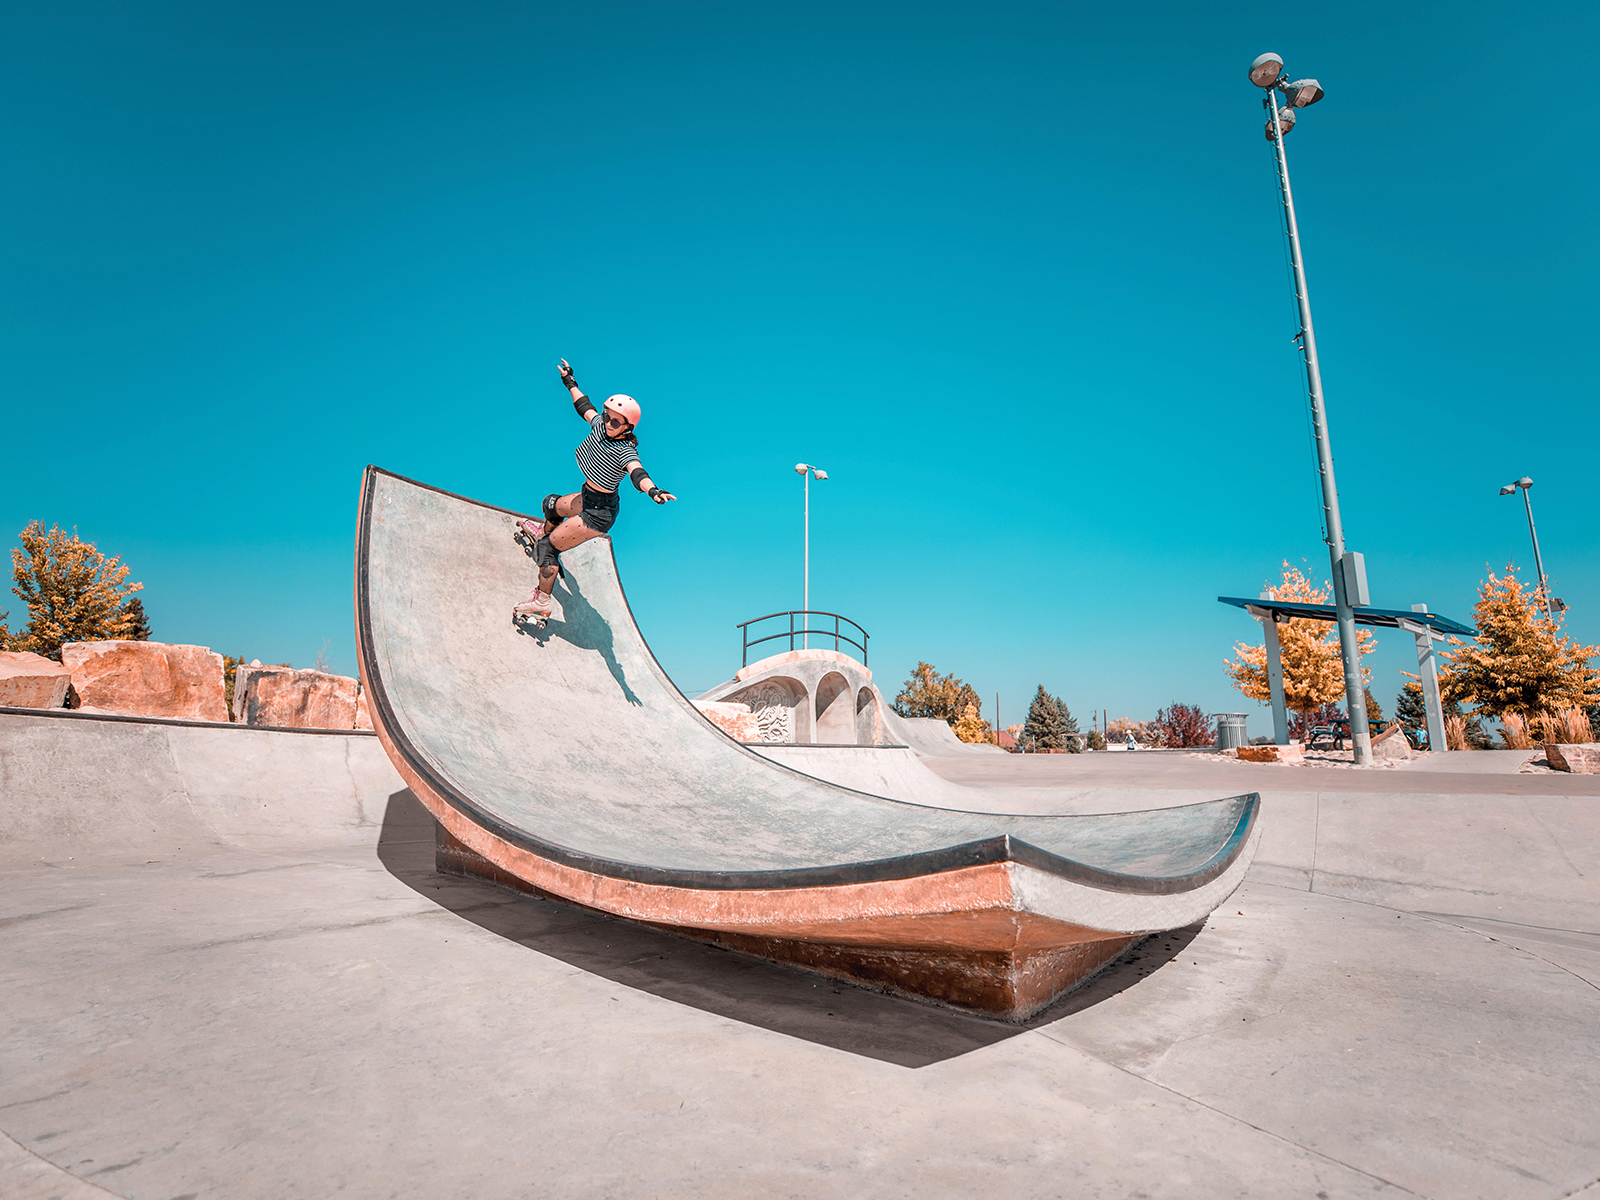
(535, 608)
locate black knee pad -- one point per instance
(550, 515)
(545, 554)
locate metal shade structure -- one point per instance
(1386, 618)
(1426, 627)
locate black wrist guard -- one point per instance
(654, 492)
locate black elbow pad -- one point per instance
(636, 475)
(584, 405)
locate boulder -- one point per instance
(1272, 753)
(147, 679)
(1391, 745)
(1580, 760)
(735, 720)
(32, 680)
(292, 699)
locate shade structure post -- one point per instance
(1428, 673)
(1280, 712)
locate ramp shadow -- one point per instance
(580, 626)
(786, 1000)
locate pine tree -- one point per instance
(73, 592)
(136, 623)
(1374, 709)
(1044, 726)
(1410, 709)
(1069, 726)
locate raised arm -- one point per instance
(580, 402)
(645, 484)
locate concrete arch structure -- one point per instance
(817, 680)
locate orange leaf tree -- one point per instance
(1520, 663)
(1313, 669)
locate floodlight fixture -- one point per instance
(1265, 70)
(1551, 607)
(808, 472)
(1285, 123)
(1302, 92)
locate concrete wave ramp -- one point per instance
(563, 760)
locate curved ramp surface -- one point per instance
(564, 760)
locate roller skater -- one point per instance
(610, 452)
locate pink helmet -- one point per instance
(625, 407)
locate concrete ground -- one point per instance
(1401, 1000)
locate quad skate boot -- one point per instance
(529, 531)
(535, 608)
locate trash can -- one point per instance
(1230, 730)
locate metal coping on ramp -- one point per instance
(74, 715)
(995, 848)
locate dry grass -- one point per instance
(1569, 727)
(1514, 732)
(1455, 733)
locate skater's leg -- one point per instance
(555, 509)
(564, 536)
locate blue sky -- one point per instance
(1012, 274)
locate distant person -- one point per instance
(610, 452)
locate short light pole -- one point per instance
(1525, 485)
(806, 472)
(1349, 571)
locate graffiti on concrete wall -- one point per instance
(774, 710)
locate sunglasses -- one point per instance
(613, 419)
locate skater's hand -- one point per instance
(663, 497)
(566, 374)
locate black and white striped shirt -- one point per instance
(604, 461)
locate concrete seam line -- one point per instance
(56, 1166)
(1475, 933)
(183, 782)
(1230, 1116)
(1580, 1188)
(1437, 920)
(1316, 838)
(1527, 805)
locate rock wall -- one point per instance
(32, 680)
(735, 720)
(147, 679)
(291, 699)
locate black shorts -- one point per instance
(600, 509)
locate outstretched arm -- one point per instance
(645, 484)
(580, 402)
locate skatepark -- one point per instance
(234, 965)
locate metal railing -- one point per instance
(836, 633)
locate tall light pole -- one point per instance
(1349, 572)
(806, 471)
(1525, 485)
